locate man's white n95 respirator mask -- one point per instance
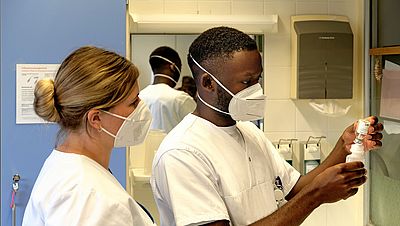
(135, 127)
(246, 105)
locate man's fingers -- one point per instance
(372, 144)
(354, 174)
(351, 166)
(357, 182)
(375, 128)
(375, 136)
(352, 192)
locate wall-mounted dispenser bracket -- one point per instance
(285, 149)
(312, 153)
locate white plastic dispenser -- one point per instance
(285, 149)
(312, 153)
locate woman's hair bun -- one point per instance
(45, 101)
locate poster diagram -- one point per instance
(27, 76)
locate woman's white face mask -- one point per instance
(135, 127)
(246, 105)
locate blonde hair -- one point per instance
(89, 78)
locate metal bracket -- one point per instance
(16, 178)
(311, 137)
(281, 141)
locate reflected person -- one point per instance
(168, 106)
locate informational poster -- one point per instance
(27, 75)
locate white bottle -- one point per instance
(357, 149)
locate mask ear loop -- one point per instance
(165, 76)
(212, 76)
(169, 61)
(212, 107)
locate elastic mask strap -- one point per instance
(165, 76)
(212, 76)
(210, 106)
(115, 115)
(108, 132)
(169, 61)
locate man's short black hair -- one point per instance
(219, 42)
(167, 52)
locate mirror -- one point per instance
(143, 45)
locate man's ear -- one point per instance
(207, 82)
(175, 73)
(172, 68)
(94, 119)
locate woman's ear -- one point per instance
(94, 119)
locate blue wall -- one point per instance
(46, 31)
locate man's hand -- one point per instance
(371, 141)
(339, 182)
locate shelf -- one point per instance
(393, 50)
(139, 175)
(197, 23)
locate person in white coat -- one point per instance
(168, 106)
(94, 100)
(217, 168)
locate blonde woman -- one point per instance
(94, 99)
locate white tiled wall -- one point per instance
(287, 118)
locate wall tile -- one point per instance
(277, 82)
(275, 136)
(311, 7)
(307, 119)
(183, 43)
(340, 123)
(214, 7)
(284, 11)
(277, 48)
(330, 141)
(311, 0)
(346, 212)
(280, 116)
(283, 1)
(317, 217)
(147, 6)
(172, 1)
(348, 8)
(181, 7)
(248, 7)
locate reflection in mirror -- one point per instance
(143, 45)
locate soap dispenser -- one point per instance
(312, 153)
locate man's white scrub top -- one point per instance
(74, 190)
(203, 173)
(168, 106)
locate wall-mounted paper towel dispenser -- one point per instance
(322, 57)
